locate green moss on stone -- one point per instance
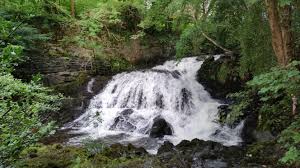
(58, 156)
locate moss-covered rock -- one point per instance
(57, 156)
(50, 156)
(220, 76)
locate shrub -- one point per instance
(21, 107)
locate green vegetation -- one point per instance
(23, 106)
(270, 96)
(90, 155)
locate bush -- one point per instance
(21, 108)
(274, 89)
(290, 139)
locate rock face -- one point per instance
(220, 77)
(150, 53)
(160, 128)
(67, 71)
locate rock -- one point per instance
(160, 128)
(250, 124)
(166, 147)
(223, 111)
(201, 154)
(263, 136)
(220, 77)
(215, 164)
(127, 112)
(123, 122)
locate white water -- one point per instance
(90, 84)
(169, 91)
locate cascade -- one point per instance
(125, 110)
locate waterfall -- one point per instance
(125, 109)
(90, 85)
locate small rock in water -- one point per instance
(176, 74)
(123, 122)
(160, 128)
(95, 125)
(127, 112)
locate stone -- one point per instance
(123, 121)
(160, 128)
(263, 136)
(220, 77)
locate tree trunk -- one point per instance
(287, 36)
(72, 7)
(280, 24)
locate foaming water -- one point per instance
(90, 84)
(124, 111)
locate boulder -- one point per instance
(160, 128)
(220, 76)
(123, 121)
(200, 154)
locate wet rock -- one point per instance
(160, 128)
(159, 101)
(166, 147)
(200, 154)
(176, 74)
(250, 124)
(220, 77)
(123, 121)
(127, 112)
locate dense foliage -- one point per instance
(270, 96)
(23, 106)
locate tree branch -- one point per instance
(215, 43)
(3, 115)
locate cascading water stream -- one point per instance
(127, 107)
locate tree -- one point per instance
(280, 20)
(72, 7)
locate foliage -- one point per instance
(22, 105)
(21, 108)
(290, 139)
(243, 101)
(10, 56)
(274, 90)
(257, 53)
(278, 82)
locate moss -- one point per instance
(220, 77)
(50, 156)
(59, 156)
(223, 73)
